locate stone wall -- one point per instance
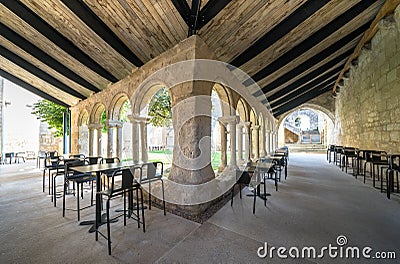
(368, 105)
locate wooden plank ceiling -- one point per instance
(67, 50)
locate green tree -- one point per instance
(50, 113)
(160, 109)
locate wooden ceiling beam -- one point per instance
(328, 78)
(280, 30)
(80, 9)
(31, 88)
(44, 57)
(57, 38)
(38, 72)
(320, 56)
(194, 17)
(183, 8)
(302, 99)
(315, 38)
(388, 8)
(210, 10)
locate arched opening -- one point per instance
(83, 133)
(304, 126)
(122, 138)
(97, 119)
(156, 105)
(216, 112)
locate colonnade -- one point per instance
(244, 133)
(241, 136)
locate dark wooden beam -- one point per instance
(38, 72)
(210, 10)
(280, 30)
(306, 82)
(298, 70)
(102, 30)
(194, 16)
(302, 99)
(31, 88)
(183, 8)
(306, 88)
(313, 60)
(313, 40)
(56, 37)
(44, 57)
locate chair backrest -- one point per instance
(94, 160)
(111, 160)
(349, 150)
(394, 162)
(243, 177)
(151, 171)
(127, 181)
(52, 161)
(378, 156)
(79, 156)
(52, 154)
(73, 163)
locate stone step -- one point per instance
(306, 148)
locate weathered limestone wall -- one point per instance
(1, 113)
(368, 105)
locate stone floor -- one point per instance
(315, 205)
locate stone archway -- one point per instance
(327, 135)
(83, 133)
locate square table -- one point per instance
(98, 169)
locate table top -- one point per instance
(102, 167)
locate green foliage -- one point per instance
(125, 110)
(160, 109)
(50, 113)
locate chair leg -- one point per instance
(44, 178)
(141, 199)
(124, 195)
(163, 198)
(64, 193)
(265, 192)
(77, 202)
(137, 206)
(149, 195)
(108, 227)
(233, 188)
(254, 202)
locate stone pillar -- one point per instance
(110, 138)
(143, 138)
(268, 140)
(263, 141)
(91, 139)
(191, 116)
(98, 140)
(247, 149)
(232, 121)
(119, 126)
(224, 142)
(135, 139)
(256, 129)
(240, 141)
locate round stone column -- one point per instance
(224, 143)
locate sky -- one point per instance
(21, 128)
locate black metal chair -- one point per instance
(151, 172)
(51, 164)
(42, 155)
(394, 167)
(243, 178)
(329, 151)
(9, 156)
(77, 156)
(368, 160)
(378, 159)
(337, 155)
(79, 179)
(123, 184)
(348, 153)
(108, 175)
